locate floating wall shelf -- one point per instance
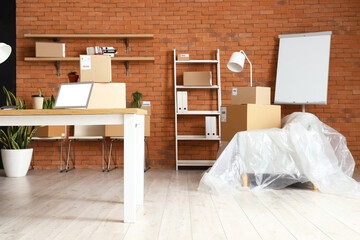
(57, 38)
(68, 59)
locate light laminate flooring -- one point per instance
(88, 204)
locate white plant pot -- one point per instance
(16, 161)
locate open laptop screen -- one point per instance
(73, 95)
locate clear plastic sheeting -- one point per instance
(304, 149)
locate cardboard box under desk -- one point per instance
(95, 68)
(118, 130)
(108, 95)
(236, 118)
(50, 131)
(49, 49)
(245, 95)
(197, 78)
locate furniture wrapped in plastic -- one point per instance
(304, 149)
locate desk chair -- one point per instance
(86, 133)
(61, 138)
(116, 139)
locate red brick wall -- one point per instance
(199, 28)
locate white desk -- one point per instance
(133, 120)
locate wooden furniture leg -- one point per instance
(245, 179)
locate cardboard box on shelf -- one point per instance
(108, 95)
(95, 68)
(236, 118)
(256, 95)
(197, 78)
(183, 57)
(49, 49)
(50, 131)
(118, 130)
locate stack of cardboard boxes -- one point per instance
(250, 109)
(105, 94)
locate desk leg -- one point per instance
(133, 164)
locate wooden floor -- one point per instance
(87, 204)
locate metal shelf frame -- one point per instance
(217, 87)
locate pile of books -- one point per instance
(97, 50)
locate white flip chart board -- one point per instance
(303, 68)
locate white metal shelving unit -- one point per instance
(217, 87)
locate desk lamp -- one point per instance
(5, 51)
(237, 61)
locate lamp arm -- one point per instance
(250, 66)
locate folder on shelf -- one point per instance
(185, 101)
(182, 102)
(210, 127)
(207, 127)
(213, 126)
(179, 102)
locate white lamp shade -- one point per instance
(236, 62)
(5, 51)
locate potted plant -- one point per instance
(73, 77)
(49, 103)
(37, 100)
(137, 96)
(16, 154)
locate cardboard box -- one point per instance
(95, 68)
(108, 95)
(51, 131)
(236, 118)
(183, 57)
(256, 95)
(197, 79)
(49, 49)
(89, 130)
(118, 130)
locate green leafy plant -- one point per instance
(137, 96)
(38, 95)
(72, 73)
(15, 137)
(40, 92)
(11, 100)
(49, 103)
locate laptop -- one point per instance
(73, 95)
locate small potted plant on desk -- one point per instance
(16, 155)
(73, 77)
(136, 103)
